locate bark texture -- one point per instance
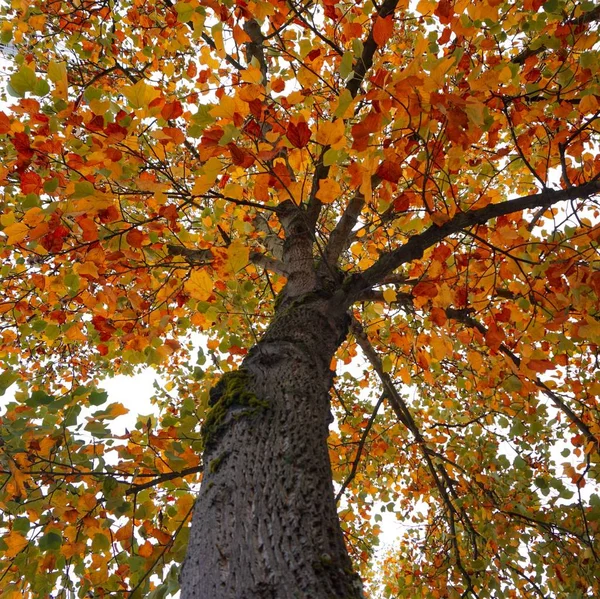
(265, 523)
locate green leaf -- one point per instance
(23, 81)
(21, 525)
(51, 541)
(97, 398)
(51, 185)
(7, 378)
(344, 101)
(159, 592)
(83, 189)
(92, 93)
(184, 11)
(41, 88)
(346, 64)
(40, 398)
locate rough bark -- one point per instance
(265, 522)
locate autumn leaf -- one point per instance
(199, 285)
(140, 95)
(15, 543)
(329, 191)
(382, 30)
(389, 170)
(237, 256)
(299, 135)
(16, 233)
(330, 133)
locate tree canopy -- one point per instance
(443, 160)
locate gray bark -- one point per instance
(265, 522)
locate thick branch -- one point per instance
(414, 248)
(268, 263)
(193, 256)
(365, 62)
(361, 66)
(341, 236)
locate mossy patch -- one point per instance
(229, 394)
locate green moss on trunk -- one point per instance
(230, 394)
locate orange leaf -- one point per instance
(425, 289)
(135, 238)
(15, 542)
(540, 365)
(329, 190)
(382, 30)
(494, 336)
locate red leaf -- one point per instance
(240, 157)
(382, 30)
(31, 183)
(438, 316)
(171, 110)
(4, 123)
(135, 238)
(108, 215)
(540, 365)
(425, 289)
(444, 10)
(299, 135)
(494, 336)
(389, 170)
(402, 202)
(104, 327)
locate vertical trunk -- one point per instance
(265, 522)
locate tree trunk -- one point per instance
(265, 522)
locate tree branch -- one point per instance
(271, 264)
(417, 244)
(583, 19)
(464, 317)
(361, 66)
(161, 478)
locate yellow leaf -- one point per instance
(217, 35)
(16, 542)
(329, 190)
(87, 268)
(389, 295)
(588, 104)
(75, 333)
(57, 73)
(33, 217)
(17, 482)
(237, 256)
(117, 409)
(252, 75)
(140, 94)
(251, 92)
(228, 106)
(211, 170)
(199, 285)
(330, 134)
(440, 348)
(16, 233)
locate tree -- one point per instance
(384, 220)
